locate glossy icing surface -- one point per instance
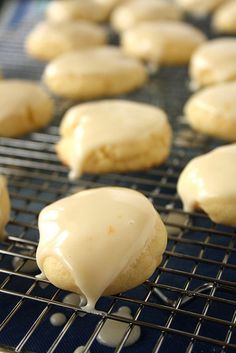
(95, 234)
(90, 126)
(211, 175)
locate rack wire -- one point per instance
(187, 306)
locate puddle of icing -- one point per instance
(58, 319)
(178, 218)
(113, 331)
(76, 300)
(42, 285)
(29, 265)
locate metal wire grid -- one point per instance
(198, 251)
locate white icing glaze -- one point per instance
(74, 299)
(178, 219)
(91, 61)
(217, 100)
(199, 7)
(92, 125)
(4, 206)
(208, 176)
(113, 331)
(58, 319)
(215, 59)
(29, 265)
(224, 18)
(161, 41)
(95, 233)
(132, 12)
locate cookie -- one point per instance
(48, 40)
(133, 12)
(224, 18)
(24, 107)
(118, 250)
(4, 206)
(98, 72)
(113, 136)
(163, 42)
(214, 62)
(213, 111)
(208, 183)
(199, 8)
(71, 10)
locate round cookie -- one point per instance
(48, 40)
(224, 18)
(164, 42)
(4, 206)
(98, 72)
(208, 183)
(71, 10)
(24, 107)
(78, 255)
(133, 12)
(199, 7)
(214, 62)
(113, 136)
(213, 111)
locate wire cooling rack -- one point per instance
(187, 306)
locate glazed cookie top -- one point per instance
(93, 125)
(49, 39)
(157, 39)
(83, 230)
(209, 176)
(199, 7)
(105, 60)
(69, 10)
(218, 100)
(132, 12)
(214, 61)
(224, 18)
(26, 99)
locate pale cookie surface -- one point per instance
(224, 18)
(213, 111)
(70, 10)
(132, 12)
(164, 42)
(208, 183)
(199, 7)
(98, 72)
(113, 135)
(24, 107)
(98, 241)
(48, 40)
(4, 206)
(214, 62)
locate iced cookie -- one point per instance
(208, 183)
(199, 7)
(113, 136)
(214, 62)
(133, 12)
(224, 18)
(24, 107)
(164, 42)
(71, 10)
(100, 242)
(213, 111)
(48, 40)
(97, 72)
(4, 206)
